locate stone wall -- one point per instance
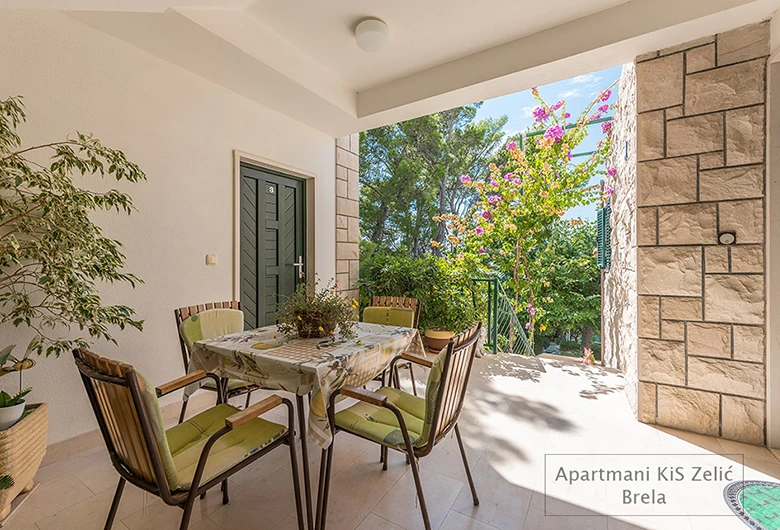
(347, 215)
(619, 313)
(700, 172)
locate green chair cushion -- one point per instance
(233, 384)
(380, 424)
(152, 406)
(211, 323)
(389, 316)
(187, 439)
(375, 315)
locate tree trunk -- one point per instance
(587, 337)
(379, 229)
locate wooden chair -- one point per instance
(405, 423)
(408, 303)
(236, 387)
(185, 461)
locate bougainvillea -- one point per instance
(528, 190)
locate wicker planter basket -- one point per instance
(22, 448)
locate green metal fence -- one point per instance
(505, 332)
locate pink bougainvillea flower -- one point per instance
(516, 181)
(557, 105)
(567, 115)
(532, 311)
(595, 117)
(527, 325)
(479, 230)
(569, 155)
(511, 146)
(540, 114)
(465, 179)
(494, 183)
(606, 95)
(604, 108)
(487, 215)
(493, 199)
(508, 176)
(612, 171)
(481, 250)
(606, 126)
(554, 133)
(460, 255)
(608, 190)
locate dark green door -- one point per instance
(272, 242)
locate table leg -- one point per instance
(305, 456)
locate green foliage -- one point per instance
(52, 256)
(312, 313)
(409, 174)
(6, 482)
(7, 400)
(441, 284)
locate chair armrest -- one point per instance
(250, 413)
(362, 394)
(176, 384)
(417, 359)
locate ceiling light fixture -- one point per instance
(371, 34)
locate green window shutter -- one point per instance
(604, 257)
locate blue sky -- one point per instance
(578, 92)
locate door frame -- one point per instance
(241, 157)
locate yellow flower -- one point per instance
(299, 317)
(542, 327)
(321, 328)
(546, 284)
(434, 243)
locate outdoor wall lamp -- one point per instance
(727, 238)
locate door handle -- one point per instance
(299, 265)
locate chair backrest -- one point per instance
(389, 316)
(447, 382)
(183, 313)
(129, 417)
(399, 301)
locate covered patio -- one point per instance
(516, 411)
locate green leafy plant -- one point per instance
(52, 255)
(310, 313)
(441, 284)
(6, 482)
(7, 400)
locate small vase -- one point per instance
(437, 339)
(10, 415)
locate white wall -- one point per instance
(181, 130)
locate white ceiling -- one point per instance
(423, 33)
(299, 57)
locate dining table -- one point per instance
(314, 367)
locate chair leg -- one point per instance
(183, 409)
(248, 397)
(321, 487)
(418, 485)
(225, 498)
(115, 504)
(384, 457)
(185, 518)
(381, 454)
(466, 465)
(411, 376)
(296, 480)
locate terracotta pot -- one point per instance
(22, 448)
(437, 339)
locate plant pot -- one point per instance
(311, 326)
(10, 415)
(437, 339)
(22, 448)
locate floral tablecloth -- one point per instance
(266, 357)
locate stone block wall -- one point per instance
(619, 308)
(701, 164)
(347, 215)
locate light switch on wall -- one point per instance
(211, 259)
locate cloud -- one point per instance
(570, 94)
(528, 112)
(588, 80)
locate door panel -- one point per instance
(272, 233)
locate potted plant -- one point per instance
(52, 256)
(310, 313)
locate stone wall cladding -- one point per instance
(347, 215)
(701, 166)
(622, 318)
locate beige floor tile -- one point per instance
(374, 522)
(537, 520)
(649, 523)
(458, 521)
(91, 513)
(445, 458)
(717, 523)
(49, 499)
(750, 451)
(401, 507)
(70, 465)
(100, 476)
(353, 494)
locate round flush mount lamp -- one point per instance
(371, 34)
(727, 238)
